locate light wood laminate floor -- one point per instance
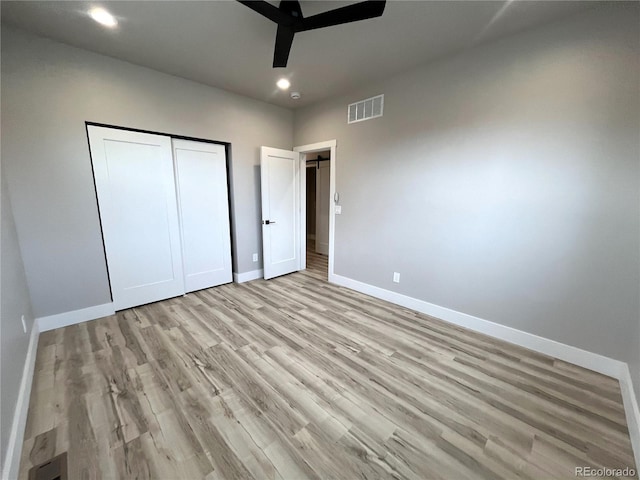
(295, 378)
(317, 264)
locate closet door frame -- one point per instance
(227, 147)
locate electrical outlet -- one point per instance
(24, 324)
(396, 277)
(255, 257)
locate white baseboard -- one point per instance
(16, 437)
(631, 411)
(322, 249)
(583, 358)
(247, 276)
(76, 316)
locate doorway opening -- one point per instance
(318, 206)
(310, 152)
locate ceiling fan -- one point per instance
(290, 21)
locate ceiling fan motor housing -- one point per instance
(288, 16)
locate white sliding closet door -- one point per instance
(201, 176)
(136, 193)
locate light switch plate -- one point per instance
(338, 209)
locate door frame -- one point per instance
(303, 150)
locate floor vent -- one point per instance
(365, 109)
(54, 469)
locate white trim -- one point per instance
(302, 194)
(583, 358)
(631, 412)
(248, 276)
(303, 150)
(76, 316)
(16, 437)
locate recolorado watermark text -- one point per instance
(605, 472)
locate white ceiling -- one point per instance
(225, 44)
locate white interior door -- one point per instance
(201, 176)
(279, 179)
(323, 176)
(136, 193)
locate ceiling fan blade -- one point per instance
(348, 14)
(267, 10)
(284, 39)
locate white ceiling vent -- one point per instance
(366, 109)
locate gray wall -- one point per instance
(48, 91)
(14, 302)
(504, 182)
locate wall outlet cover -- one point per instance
(396, 277)
(255, 257)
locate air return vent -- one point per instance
(366, 109)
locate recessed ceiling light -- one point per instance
(283, 84)
(103, 17)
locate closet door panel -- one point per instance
(136, 194)
(201, 174)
